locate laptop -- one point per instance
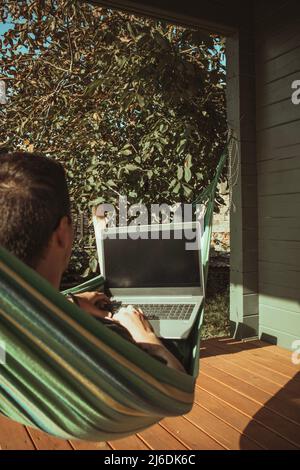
(156, 268)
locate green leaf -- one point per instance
(93, 264)
(126, 152)
(177, 188)
(86, 272)
(97, 201)
(181, 146)
(110, 183)
(173, 183)
(129, 27)
(187, 191)
(187, 174)
(131, 167)
(141, 101)
(180, 172)
(188, 161)
(91, 167)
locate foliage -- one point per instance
(216, 311)
(130, 105)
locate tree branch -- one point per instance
(70, 47)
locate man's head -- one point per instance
(35, 221)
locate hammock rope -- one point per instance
(65, 373)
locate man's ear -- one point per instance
(64, 233)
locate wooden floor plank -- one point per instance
(14, 436)
(88, 445)
(43, 441)
(287, 392)
(224, 363)
(253, 368)
(258, 433)
(271, 348)
(291, 371)
(288, 409)
(268, 353)
(191, 436)
(129, 443)
(260, 356)
(227, 436)
(158, 438)
(268, 418)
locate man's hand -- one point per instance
(142, 332)
(137, 325)
(131, 319)
(91, 302)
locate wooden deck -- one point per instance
(247, 397)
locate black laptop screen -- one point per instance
(151, 263)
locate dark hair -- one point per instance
(33, 199)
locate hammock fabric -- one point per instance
(68, 375)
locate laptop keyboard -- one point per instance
(166, 311)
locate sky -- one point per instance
(4, 27)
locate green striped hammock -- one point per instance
(68, 375)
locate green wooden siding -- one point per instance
(278, 171)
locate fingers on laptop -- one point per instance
(127, 309)
(132, 309)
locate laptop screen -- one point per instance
(143, 263)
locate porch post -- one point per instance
(244, 218)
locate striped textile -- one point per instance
(68, 375)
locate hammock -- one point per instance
(68, 375)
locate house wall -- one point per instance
(278, 170)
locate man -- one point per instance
(36, 226)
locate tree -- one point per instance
(130, 105)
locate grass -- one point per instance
(216, 311)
